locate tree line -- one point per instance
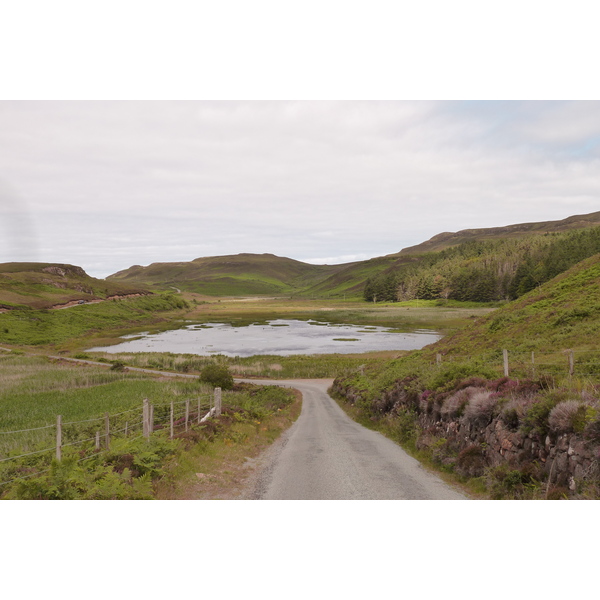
(485, 271)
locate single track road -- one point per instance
(325, 455)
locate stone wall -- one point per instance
(472, 443)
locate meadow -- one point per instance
(36, 389)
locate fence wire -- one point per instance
(194, 414)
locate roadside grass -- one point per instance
(219, 467)
(35, 390)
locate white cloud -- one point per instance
(110, 184)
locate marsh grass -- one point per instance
(265, 365)
(34, 390)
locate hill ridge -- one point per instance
(450, 238)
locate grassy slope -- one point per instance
(242, 274)
(89, 323)
(562, 314)
(43, 285)
(350, 280)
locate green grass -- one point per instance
(36, 390)
(43, 285)
(297, 366)
(40, 327)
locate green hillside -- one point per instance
(46, 285)
(484, 270)
(562, 314)
(236, 275)
(559, 316)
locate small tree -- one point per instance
(217, 375)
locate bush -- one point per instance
(536, 418)
(570, 416)
(514, 410)
(471, 462)
(480, 409)
(452, 374)
(454, 406)
(217, 375)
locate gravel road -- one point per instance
(327, 456)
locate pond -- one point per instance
(281, 337)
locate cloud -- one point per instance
(120, 183)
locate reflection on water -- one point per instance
(280, 336)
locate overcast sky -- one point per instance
(106, 185)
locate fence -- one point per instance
(176, 415)
(562, 362)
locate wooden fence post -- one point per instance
(107, 430)
(217, 401)
(145, 419)
(571, 363)
(151, 422)
(187, 413)
(58, 437)
(505, 356)
(199, 408)
(126, 427)
(172, 418)
(97, 440)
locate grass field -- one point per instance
(35, 390)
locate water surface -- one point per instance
(281, 337)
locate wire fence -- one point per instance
(93, 436)
(559, 363)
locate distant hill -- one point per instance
(235, 275)
(46, 285)
(446, 240)
(267, 274)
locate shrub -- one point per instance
(217, 375)
(507, 482)
(452, 374)
(536, 419)
(405, 428)
(570, 416)
(514, 410)
(470, 461)
(480, 409)
(454, 406)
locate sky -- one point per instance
(110, 184)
